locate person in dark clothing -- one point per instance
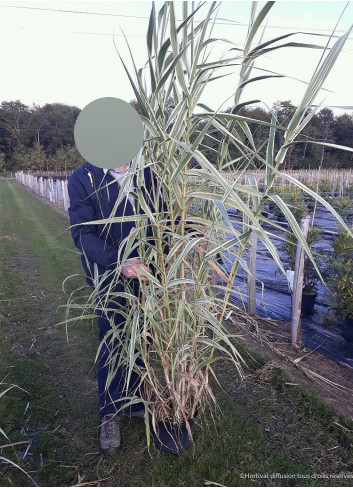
(93, 195)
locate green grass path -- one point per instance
(265, 428)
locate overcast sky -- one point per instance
(69, 57)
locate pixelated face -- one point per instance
(108, 133)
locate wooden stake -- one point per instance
(252, 277)
(298, 286)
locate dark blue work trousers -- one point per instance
(109, 396)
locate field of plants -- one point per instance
(326, 323)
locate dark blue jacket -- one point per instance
(91, 199)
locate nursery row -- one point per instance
(326, 300)
(53, 188)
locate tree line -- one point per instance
(323, 126)
(42, 138)
(38, 138)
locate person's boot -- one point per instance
(109, 437)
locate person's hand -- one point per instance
(129, 270)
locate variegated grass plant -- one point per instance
(175, 324)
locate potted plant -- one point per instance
(294, 199)
(297, 201)
(309, 201)
(174, 332)
(311, 278)
(274, 211)
(344, 206)
(340, 283)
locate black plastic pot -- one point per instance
(173, 438)
(219, 259)
(347, 329)
(308, 303)
(280, 217)
(310, 205)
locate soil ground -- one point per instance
(271, 338)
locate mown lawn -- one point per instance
(263, 426)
